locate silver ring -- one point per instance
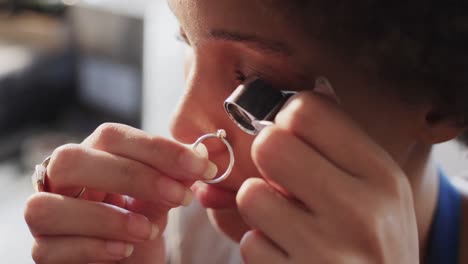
(221, 135)
(81, 193)
(40, 175)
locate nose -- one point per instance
(201, 110)
(190, 120)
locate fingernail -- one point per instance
(261, 124)
(323, 86)
(154, 232)
(174, 192)
(202, 150)
(193, 163)
(141, 228)
(211, 171)
(119, 249)
(188, 198)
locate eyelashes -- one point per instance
(240, 77)
(182, 37)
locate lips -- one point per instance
(214, 197)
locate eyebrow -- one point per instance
(266, 45)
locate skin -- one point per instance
(330, 180)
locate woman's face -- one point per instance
(233, 39)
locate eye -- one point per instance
(240, 77)
(182, 37)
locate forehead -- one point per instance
(254, 16)
(260, 18)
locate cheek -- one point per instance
(245, 165)
(391, 124)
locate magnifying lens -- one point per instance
(254, 105)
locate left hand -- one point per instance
(329, 194)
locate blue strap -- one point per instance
(444, 239)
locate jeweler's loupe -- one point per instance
(254, 105)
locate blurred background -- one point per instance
(67, 66)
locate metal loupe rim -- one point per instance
(228, 104)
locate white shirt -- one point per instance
(191, 239)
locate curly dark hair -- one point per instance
(418, 46)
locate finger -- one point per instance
(257, 249)
(299, 170)
(79, 250)
(321, 124)
(54, 215)
(268, 211)
(116, 200)
(167, 156)
(77, 166)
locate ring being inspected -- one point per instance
(40, 176)
(221, 135)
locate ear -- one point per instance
(440, 128)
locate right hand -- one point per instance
(132, 181)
